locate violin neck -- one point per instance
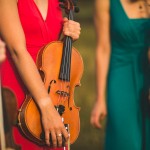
(66, 56)
(71, 15)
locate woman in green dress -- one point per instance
(123, 37)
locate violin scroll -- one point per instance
(69, 5)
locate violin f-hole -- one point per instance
(49, 87)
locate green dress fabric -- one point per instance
(128, 124)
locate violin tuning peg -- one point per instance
(76, 9)
(62, 6)
(75, 2)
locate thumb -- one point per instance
(102, 117)
(98, 123)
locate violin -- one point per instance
(61, 68)
(8, 114)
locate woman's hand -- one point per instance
(52, 124)
(2, 51)
(99, 112)
(71, 28)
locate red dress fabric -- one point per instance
(38, 32)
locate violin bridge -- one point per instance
(62, 93)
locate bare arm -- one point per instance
(12, 33)
(102, 20)
(102, 23)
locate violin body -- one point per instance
(10, 115)
(49, 60)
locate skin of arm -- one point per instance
(103, 50)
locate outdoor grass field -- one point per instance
(89, 138)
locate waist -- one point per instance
(132, 46)
(131, 55)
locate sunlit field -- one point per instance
(89, 138)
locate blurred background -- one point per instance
(85, 95)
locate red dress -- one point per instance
(38, 32)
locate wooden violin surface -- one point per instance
(61, 93)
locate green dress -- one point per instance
(128, 124)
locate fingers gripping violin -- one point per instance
(61, 68)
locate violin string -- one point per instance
(63, 71)
(68, 60)
(59, 94)
(59, 101)
(61, 86)
(61, 80)
(65, 83)
(64, 79)
(70, 48)
(67, 68)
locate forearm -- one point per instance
(102, 61)
(30, 75)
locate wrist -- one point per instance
(45, 103)
(101, 99)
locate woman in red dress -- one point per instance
(25, 26)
